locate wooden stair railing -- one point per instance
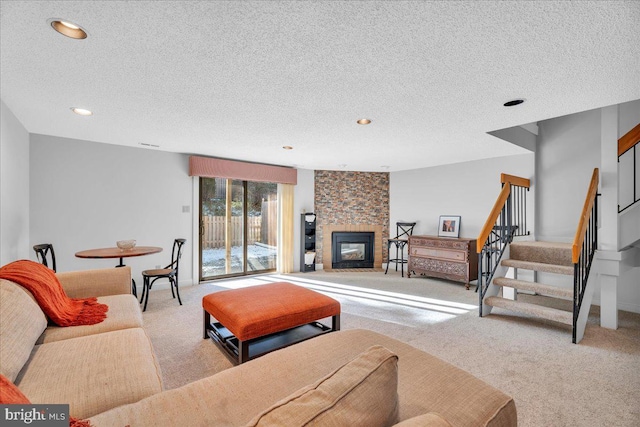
(583, 249)
(493, 217)
(508, 182)
(507, 217)
(515, 180)
(586, 214)
(629, 142)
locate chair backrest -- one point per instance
(176, 253)
(404, 229)
(44, 251)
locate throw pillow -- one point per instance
(430, 419)
(363, 392)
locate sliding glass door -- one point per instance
(238, 227)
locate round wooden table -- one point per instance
(120, 253)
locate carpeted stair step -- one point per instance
(539, 288)
(556, 253)
(548, 313)
(538, 266)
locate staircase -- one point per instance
(547, 257)
(498, 253)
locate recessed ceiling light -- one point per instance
(68, 29)
(363, 121)
(513, 102)
(81, 111)
(287, 147)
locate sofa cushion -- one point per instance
(21, 324)
(92, 373)
(124, 312)
(430, 419)
(362, 392)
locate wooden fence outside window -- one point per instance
(260, 229)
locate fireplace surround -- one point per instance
(352, 249)
(328, 231)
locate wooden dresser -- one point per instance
(449, 258)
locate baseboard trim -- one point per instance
(622, 306)
(625, 306)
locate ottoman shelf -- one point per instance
(263, 345)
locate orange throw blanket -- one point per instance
(47, 290)
(11, 395)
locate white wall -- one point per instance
(14, 188)
(568, 151)
(86, 195)
(467, 189)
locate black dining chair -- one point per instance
(169, 272)
(403, 231)
(44, 251)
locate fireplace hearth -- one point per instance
(352, 249)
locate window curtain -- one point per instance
(285, 228)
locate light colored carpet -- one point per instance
(553, 382)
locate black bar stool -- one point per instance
(403, 231)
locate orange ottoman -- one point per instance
(255, 320)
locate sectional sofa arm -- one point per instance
(96, 283)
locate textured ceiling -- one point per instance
(241, 80)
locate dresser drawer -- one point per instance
(439, 253)
(445, 269)
(444, 243)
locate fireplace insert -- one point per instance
(352, 249)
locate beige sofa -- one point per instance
(108, 373)
(93, 368)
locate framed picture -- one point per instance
(449, 226)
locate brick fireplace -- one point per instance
(351, 202)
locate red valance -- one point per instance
(219, 168)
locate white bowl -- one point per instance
(126, 244)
